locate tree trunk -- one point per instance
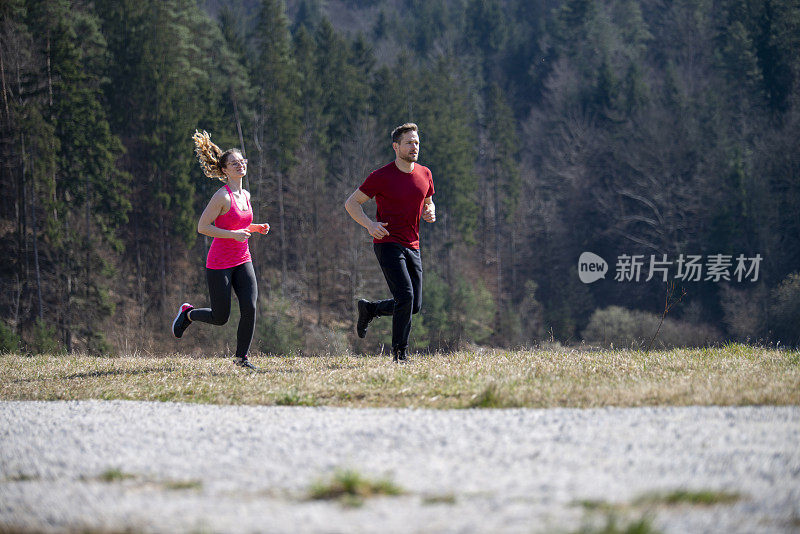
(22, 220)
(498, 227)
(17, 299)
(235, 103)
(315, 229)
(140, 278)
(355, 263)
(5, 90)
(49, 74)
(66, 323)
(448, 252)
(162, 268)
(34, 228)
(282, 228)
(512, 260)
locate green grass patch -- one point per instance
(179, 485)
(351, 488)
(598, 506)
(493, 396)
(114, 475)
(22, 477)
(295, 398)
(431, 500)
(613, 525)
(555, 377)
(687, 497)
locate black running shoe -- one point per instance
(364, 317)
(244, 362)
(400, 355)
(182, 320)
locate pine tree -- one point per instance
(309, 15)
(20, 122)
(334, 95)
(486, 28)
(447, 130)
(162, 57)
(237, 100)
(343, 78)
(84, 173)
(276, 114)
(309, 174)
(505, 183)
(393, 95)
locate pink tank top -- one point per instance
(225, 253)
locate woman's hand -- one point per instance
(262, 228)
(240, 235)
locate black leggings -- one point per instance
(242, 279)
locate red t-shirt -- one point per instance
(400, 197)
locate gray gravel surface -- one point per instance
(198, 468)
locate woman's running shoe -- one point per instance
(182, 320)
(244, 362)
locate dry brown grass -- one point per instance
(730, 375)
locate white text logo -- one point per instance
(686, 268)
(591, 267)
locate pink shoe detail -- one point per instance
(181, 320)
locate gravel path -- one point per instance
(198, 468)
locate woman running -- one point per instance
(228, 218)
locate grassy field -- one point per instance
(729, 375)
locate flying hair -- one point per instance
(212, 159)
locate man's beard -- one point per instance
(409, 158)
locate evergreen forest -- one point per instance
(657, 135)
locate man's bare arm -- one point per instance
(353, 207)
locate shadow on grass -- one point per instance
(134, 372)
(116, 372)
(95, 374)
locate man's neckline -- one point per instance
(401, 170)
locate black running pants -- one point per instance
(402, 268)
(242, 279)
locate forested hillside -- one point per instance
(664, 133)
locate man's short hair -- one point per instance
(397, 133)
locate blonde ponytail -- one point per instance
(209, 155)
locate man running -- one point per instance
(403, 191)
